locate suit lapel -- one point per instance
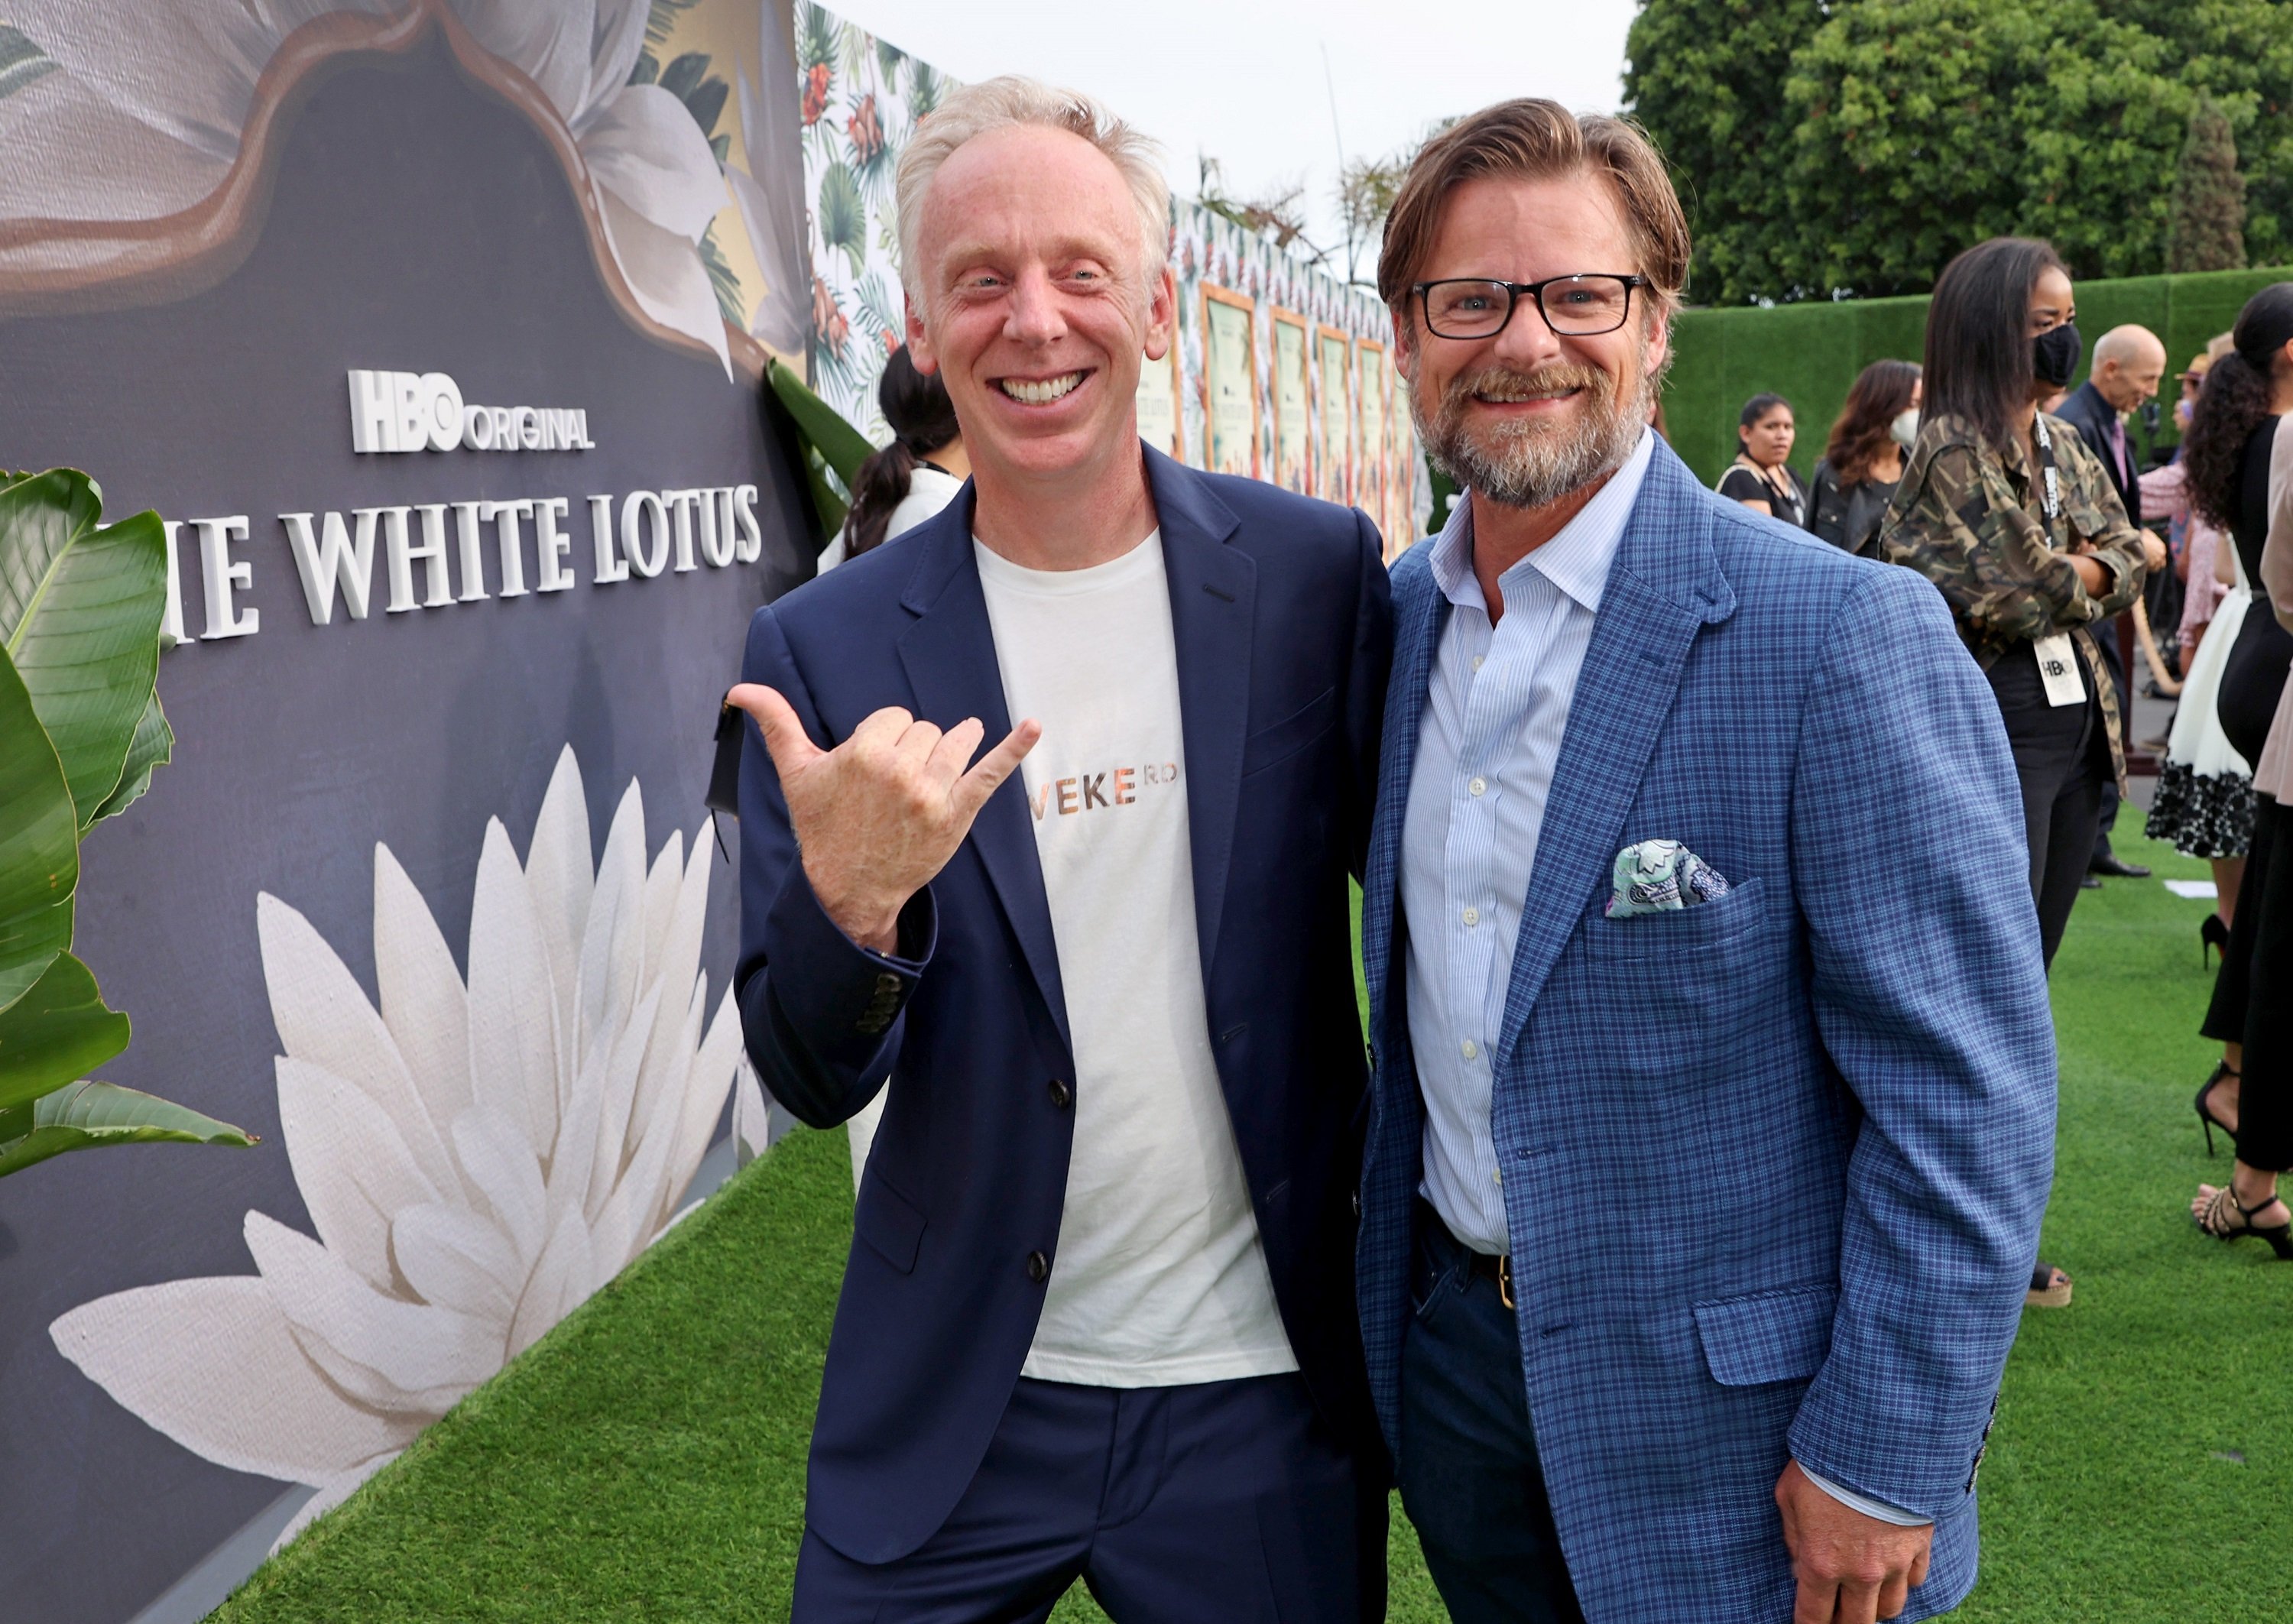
(1420, 612)
(949, 653)
(1213, 596)
(1664, 588)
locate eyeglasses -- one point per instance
(1573, 306)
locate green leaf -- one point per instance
(89, 1115)
(831, 507)
(841, 216)
(39, 843)
(153, 744)
(684, 75)
(80, 609)
(844, 447)
(21, 61)
(58, 1031)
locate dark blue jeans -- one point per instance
(1470, 1479)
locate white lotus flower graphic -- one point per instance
(659, 187)
(142, 112)
(477, 1159)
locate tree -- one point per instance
(1277, 213)
(1367, 187)
(1705, 79)
(1899, 132)
(2207, 229)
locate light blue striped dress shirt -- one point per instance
(1493, 725)
(1495, 716)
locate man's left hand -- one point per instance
(1851, 1569)
(2153, 552)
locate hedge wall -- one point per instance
(1809, 353)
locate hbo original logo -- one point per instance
(424, 411)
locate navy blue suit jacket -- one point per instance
(1282, 622)
(2092, 417)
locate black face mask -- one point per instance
(2055, 354)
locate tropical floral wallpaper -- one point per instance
(861, 97)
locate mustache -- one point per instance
(1506, 381)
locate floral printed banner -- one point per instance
(861, 99)
(427, 897)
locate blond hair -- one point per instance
(1013, 102)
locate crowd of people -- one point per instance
(1056, 781)
(2022, 500)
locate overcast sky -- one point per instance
(1242, 81)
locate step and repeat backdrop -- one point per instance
(433, 330)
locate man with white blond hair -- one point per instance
(1715, 1080)
(1097, 1322)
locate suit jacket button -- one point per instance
(1062, 1095)
(1039, 1267)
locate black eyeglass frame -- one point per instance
(1535, 292)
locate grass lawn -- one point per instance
(645, 1460)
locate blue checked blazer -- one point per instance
(1773, 1164)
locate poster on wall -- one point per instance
(1412, 504)
(1229, 382)
(1337, 387)
(1294, 403)
(1158, 403)
(1376, 471)
(432, 332)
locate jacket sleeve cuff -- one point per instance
(1878, 1510)
(844, 998)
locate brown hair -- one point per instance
(1881, 394)
(1531, 139)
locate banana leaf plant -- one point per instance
(830, 445)
(81, 730)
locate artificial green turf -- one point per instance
(645, 1460)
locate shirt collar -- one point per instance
(1577, 558)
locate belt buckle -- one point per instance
(1505, 1279)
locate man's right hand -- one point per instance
(878, 816)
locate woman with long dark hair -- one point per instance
(2239, 454)
(912, 478)
(1864, 460)
(2014, 521)
(1762, 477)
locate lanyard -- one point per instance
(2051, 501)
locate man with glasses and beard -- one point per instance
(1713, 1103)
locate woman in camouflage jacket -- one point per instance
(2015, 522)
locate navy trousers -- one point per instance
(1470, 1479)
(1228, 1501)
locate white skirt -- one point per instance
(2197, 742)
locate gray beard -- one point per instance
(1529, 465)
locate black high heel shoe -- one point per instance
(2214, 1220)
(2213, 937)
(2221, 1072)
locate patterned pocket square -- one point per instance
(1654, 876)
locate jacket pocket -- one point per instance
(1767, 1335)
(1277, 742)
(889, 1223)
(1698, 928)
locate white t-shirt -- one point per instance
(1159, 1277)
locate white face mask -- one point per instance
(1905, 429)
